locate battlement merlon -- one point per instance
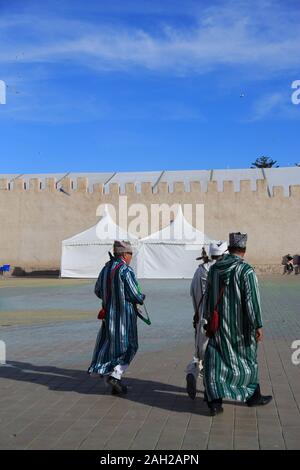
(81, 185)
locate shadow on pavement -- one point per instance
(148, 392)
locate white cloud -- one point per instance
(262, 36)
(257, 38)
(276, 105)
(270, 103)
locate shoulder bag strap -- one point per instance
(110, 279)
(223, 287)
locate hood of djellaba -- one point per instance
(226, 265)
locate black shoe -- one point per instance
(260, 401)
(191, 386)
(216, 409)
(215, 406)
(115, 392)
(117, 387)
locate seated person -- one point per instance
(289, 263)
(296, 262)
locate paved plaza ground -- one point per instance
(48, 401)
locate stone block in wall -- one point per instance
(34, 184)
(295, 190)
(278, 191)
(228, 187)
(82, 184)
(98, 188)
(114, 189)
(267, 269)
(146, 188)
(51, 185)
(178, 187)
(262, 187)
(4, 183)
(129, 188)
(195, 186)
(212, 187)
(162, 187)
(19, 184)
(66, 184)
(245, 186)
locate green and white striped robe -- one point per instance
(117, 340)
(230, 363)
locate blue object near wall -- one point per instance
(5, 268)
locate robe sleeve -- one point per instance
(131, 287)
(192, 292)
(99, 286)
(252, 305)
(206, 312)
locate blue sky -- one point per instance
(124, 85)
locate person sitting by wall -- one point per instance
(287, 262)
(296, 262)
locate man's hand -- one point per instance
(196, 320)
(259, 335)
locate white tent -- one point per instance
(171, 252)
(84, 254)
(167, 254)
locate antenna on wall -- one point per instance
(61, 189)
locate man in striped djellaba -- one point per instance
(195, 367)
(233, 312)
(117, 340)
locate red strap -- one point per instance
(223, 288)
(220, 297)
(111, 275)
(114, 270)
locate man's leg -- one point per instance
(119, 371)
(115, 379)
(215, 406)
(202, 341)
(192, 372)
(258, 399)
(201, 369)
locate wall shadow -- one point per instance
(20, 272)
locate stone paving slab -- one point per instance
(48, 401)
